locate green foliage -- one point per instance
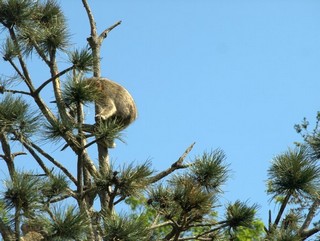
(181, 198)
(16, 116)
(291, 221)
(129, 180)
(82, 60)
(55, 185)
(55, 130)
(133, 179)
(311, 138)
(190, 198)
(16, 13)
(22, 192)
(9, 50)
(4, 217)
(284, 235)
(70, 224)
(124, 228)
(47, 30)
(253, 233)
(107, 131)
(209, 171)
(239, 214)
(77, 91)
(293, 172)
(182, 207)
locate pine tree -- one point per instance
(55, 203)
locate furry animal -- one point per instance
(114, 103)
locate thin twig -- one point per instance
(26, 144)
(18, 153)
(16, 69)
(155, 226)
(53, 78)
(25, 73)
(53, 161)
(16, 92)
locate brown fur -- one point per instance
(114, 102)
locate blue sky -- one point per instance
(235, 75)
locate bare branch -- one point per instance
(53, 78)
(6, 231)
(309, 233)
(160, 225)
(53, 161)
(15, 91)
(310, 215)
(105, 33)
(195, 238)
(200, 236)
(18, 154)
(63, 197)
(7, 153)
(177, 165)
(91, 19)
(118, 201)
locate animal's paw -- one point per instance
(111, 144)
(102, 117)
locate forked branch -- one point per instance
(176, 165)
(105, 33)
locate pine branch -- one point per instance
(57, 87)
(18, 154)
(67, 135)
(16, 92)
(15, 67)
(155, 226)
(7, 153)
(34, 154)
(176, 165)
(90, 165)
(306, 234)
(54, 162)
(82, 141)
(26, 75)
(61, 198)
(119, 200)
(200, 236)
(40, 53)
(51, 79)
(310, 215)
(281, 210)
(195, 238)
(6, 231)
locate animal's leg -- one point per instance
(107, 109)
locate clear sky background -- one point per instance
(235, 75)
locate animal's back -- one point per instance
(113, 95)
